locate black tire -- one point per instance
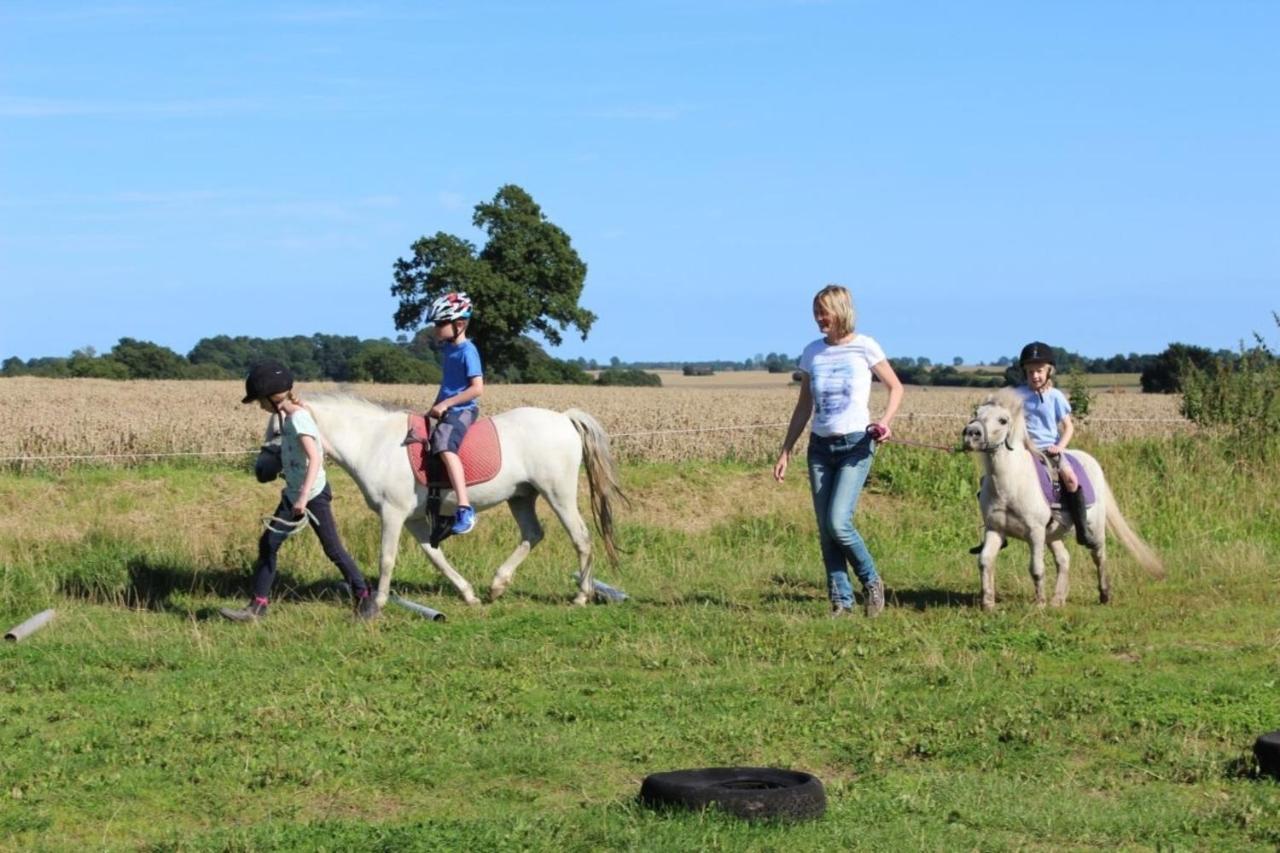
(1267, 751)
(754, 793)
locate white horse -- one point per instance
(541, 452)
(1014, 505)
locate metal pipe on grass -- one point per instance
(603, 591)
(420, 609)
(26, 629)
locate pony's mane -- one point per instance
(1011, 400)
(353, 399)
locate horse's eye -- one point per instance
(1004, 421)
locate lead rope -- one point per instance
(290, 526)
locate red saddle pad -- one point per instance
(481, 454)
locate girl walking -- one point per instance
(835, 389)
(306, 493)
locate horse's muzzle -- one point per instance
(974, 436)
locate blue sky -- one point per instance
(1100, 175)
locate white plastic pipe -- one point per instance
(26, 629)
(603, 591)
(420, 609)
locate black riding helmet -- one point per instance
(1037, 351)
(265, 378)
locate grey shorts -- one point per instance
(450, 430)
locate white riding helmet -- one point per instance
(451, 306)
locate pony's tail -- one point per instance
(602, 476)
(1133, 543)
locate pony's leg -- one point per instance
(565, 507)
(421, 530)
(1062, 558)
(392, 524)
(1036, 540)
(522, 507)
(1099, 556)
(986, 567)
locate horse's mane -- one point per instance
(350, 398)
(1010, 399)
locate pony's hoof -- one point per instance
(988, 606)
(1104, 596)
(1057, 602)
(580, 600)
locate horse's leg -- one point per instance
(1062, 558)
(565, 506)
(1099, 555)
(986, 567)
(1036, 540)
(522, 507)
(392, 524)
(421, 530)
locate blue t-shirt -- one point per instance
(1043, 416)
(461, 363)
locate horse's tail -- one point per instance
(602, 475)
(1133, 543)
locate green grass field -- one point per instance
(140, 720)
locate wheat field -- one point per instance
(62, 422)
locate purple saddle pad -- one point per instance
(1051, 492)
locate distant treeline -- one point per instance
(341, 358)
(336, 358)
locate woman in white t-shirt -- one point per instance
(835, 388)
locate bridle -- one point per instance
(987, 447)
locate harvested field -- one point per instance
(55, 423)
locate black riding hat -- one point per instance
(1037, 351)
(265, 378)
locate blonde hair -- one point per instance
(839, 304)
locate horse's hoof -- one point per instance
(1104, 597)
(988, 606)
(472, 601)
(1056, 602)
(580, 600)
(496, 592)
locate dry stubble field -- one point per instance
(730, 415)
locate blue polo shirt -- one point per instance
(461, 363)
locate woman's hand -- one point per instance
(299, 508)
(780, 467)
(880, 431)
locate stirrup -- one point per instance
(441, 529)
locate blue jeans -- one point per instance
(838, 468)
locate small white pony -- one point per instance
(1013, 504)
(541, 452)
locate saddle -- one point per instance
(1052, 489)
(481, 454)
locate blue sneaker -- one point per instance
(465, 520)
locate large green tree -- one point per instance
(527, 278)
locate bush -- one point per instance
(1079, 392)
(698, 370)
(1240, 393)
(1164, 376)
(385, 362)
(628, 376)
